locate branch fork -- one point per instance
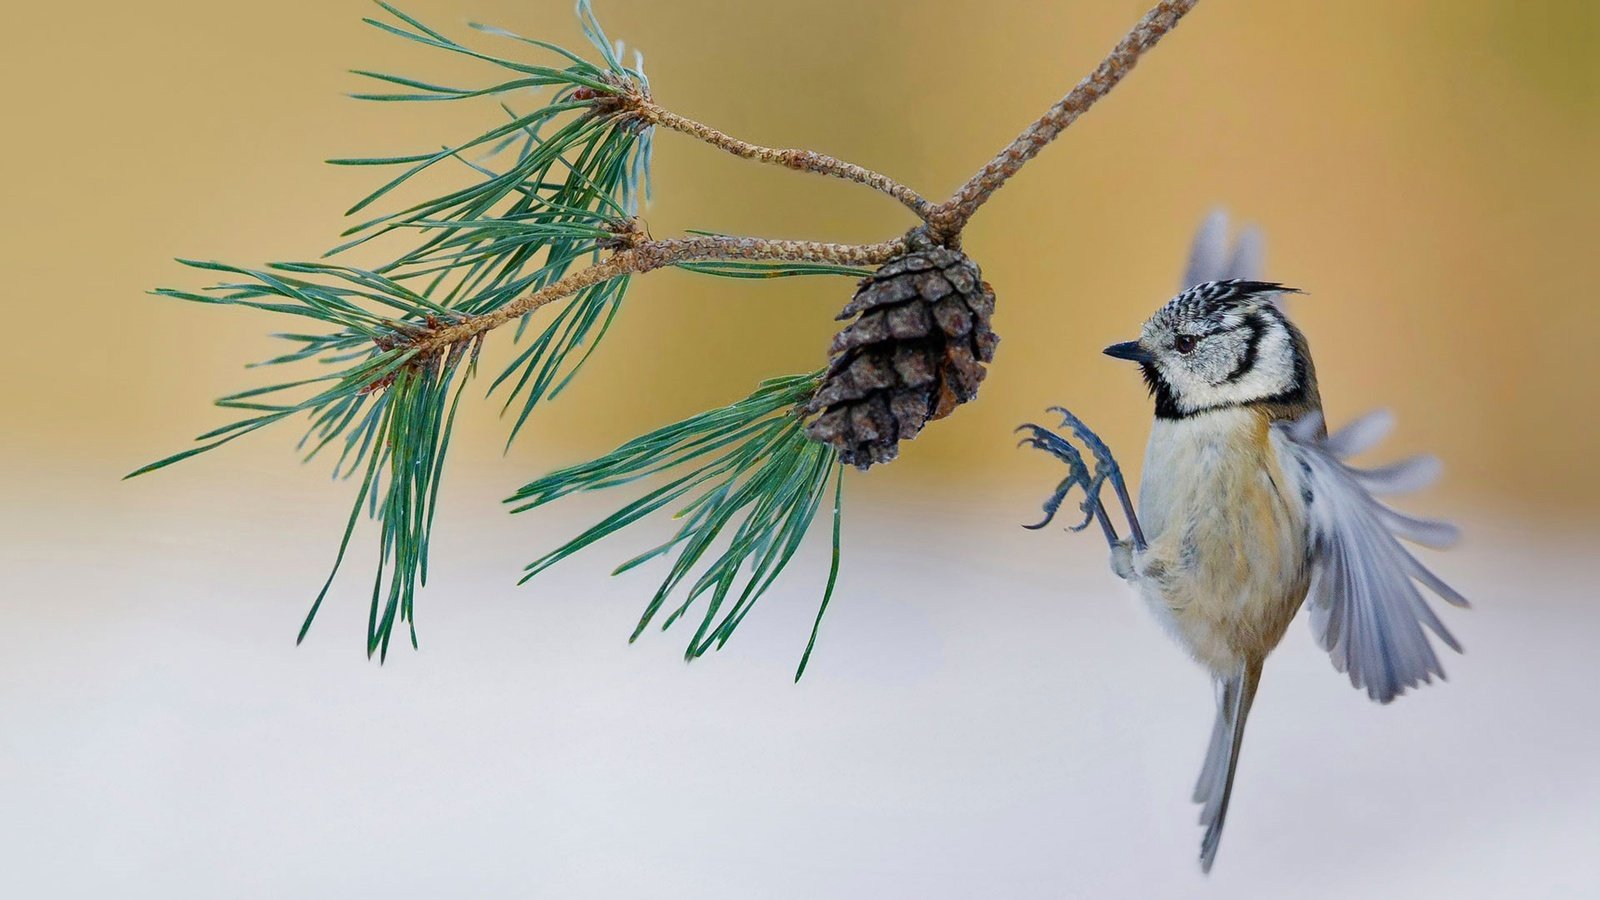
(558, 221)
(941, 223)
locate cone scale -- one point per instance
(914, 352)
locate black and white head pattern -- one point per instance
(1221, 344)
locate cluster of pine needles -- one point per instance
(544, 190)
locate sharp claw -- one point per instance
(1053, 503)
(1077, 475)
(1091, 493)
(1106, 464)
(1032, 442)
(1106, 468)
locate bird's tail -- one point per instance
(1234, 696)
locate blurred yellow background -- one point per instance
(1425, 170)
(988, 713)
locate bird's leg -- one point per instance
(1106, 469)
(1078, 475)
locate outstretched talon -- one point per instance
(1105, 469)
(1077, 475)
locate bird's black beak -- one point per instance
(1129, 350)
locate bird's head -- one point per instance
(1216, 345)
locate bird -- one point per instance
(1248, 509)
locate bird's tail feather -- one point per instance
(1235, 694)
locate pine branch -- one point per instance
(801, 160)
(952, 215)
(650, 255)
(751, 471)
(946, 220)
(549, 213)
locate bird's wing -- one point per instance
(1212, 259)
(1365, 605)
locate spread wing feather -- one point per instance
(1364, 601)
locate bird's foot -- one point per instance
(1079, 475)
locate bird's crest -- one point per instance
(1221, 303)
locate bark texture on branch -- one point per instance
(952, 215)
(800, 160)
(944, 222)
(648, 255)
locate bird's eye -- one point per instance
(1183, 343)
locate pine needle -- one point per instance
(746, 483)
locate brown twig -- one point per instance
(953, 214)
(801, 160)
(648, 255)
(944, 221)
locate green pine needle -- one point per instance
(541, 369)
(545, 190)
(745, 473)
(553, 188)
(386, 405)
(833, 573)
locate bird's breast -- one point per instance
(1227, 531)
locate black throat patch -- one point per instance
(1166, 398)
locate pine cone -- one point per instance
(913, 354)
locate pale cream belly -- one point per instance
(1226, 570)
